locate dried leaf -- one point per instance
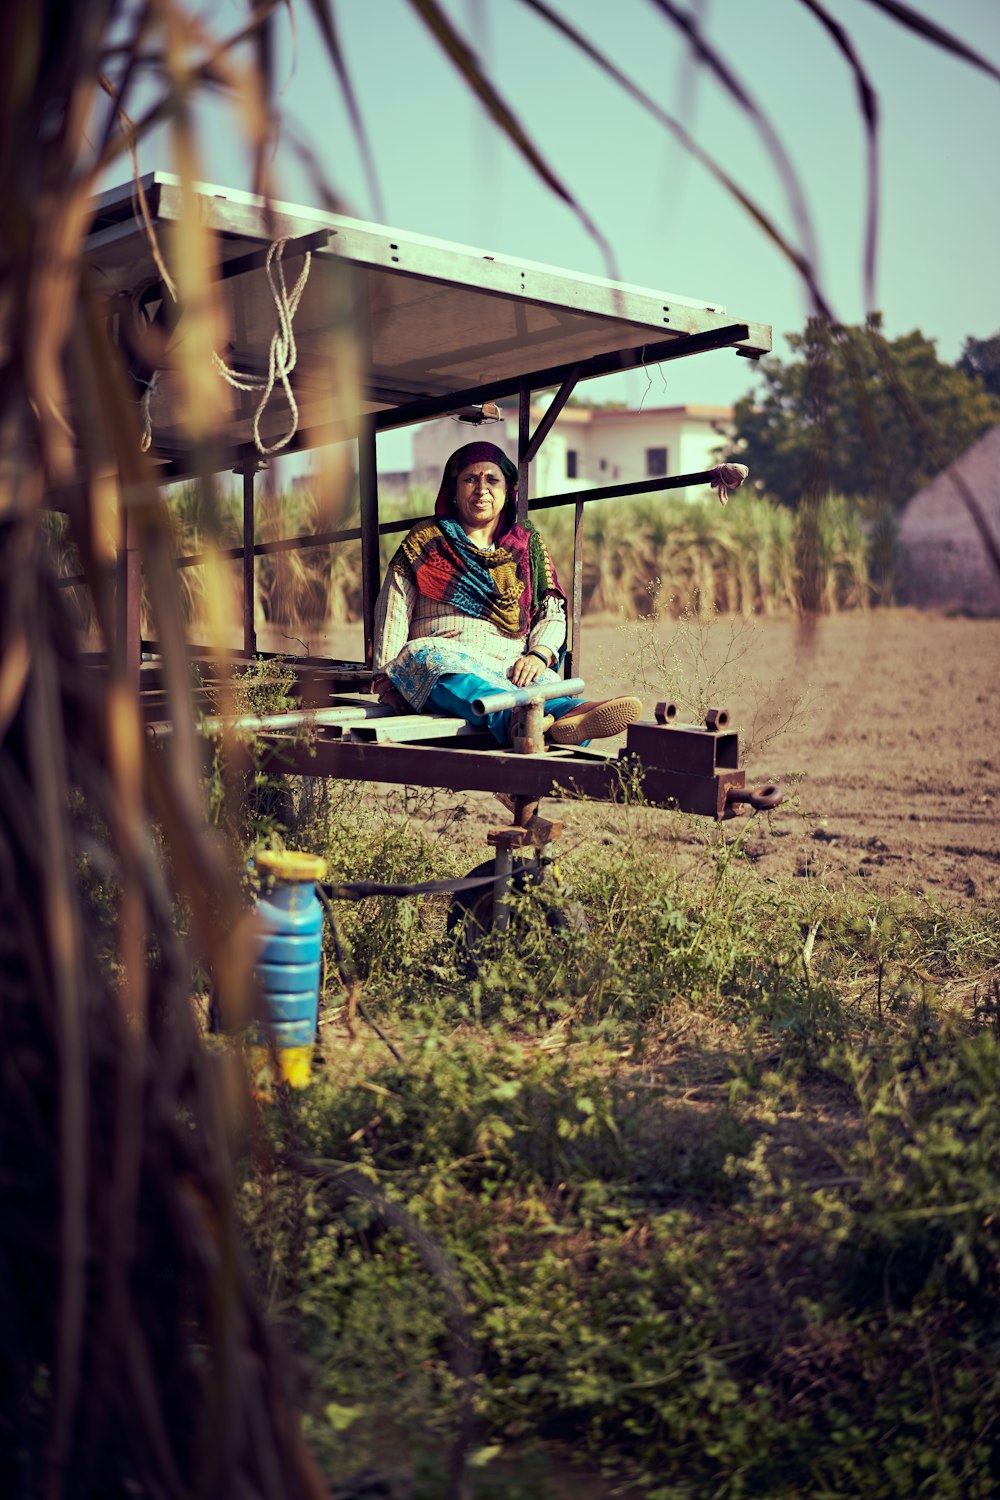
(472, 71)
(934, 34)
(868, 104)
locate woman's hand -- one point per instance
(389, 697)
(526, 670)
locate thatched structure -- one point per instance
(943, 561)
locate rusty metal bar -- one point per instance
(531, 776)
(128, 601)
(389, 526)
(624, 491)
(354, 533)
(286, 544)
(370, 571)
(576, 595)
(257, 259)
(603, 364)
(249, 470)
(684, 747)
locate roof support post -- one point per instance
(550, 414)
(248, 469)
(523, 450)
(562, 395)
(573, 655)
(128, 597)
(527, 450)
(370, 573)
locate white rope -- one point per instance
(146, 441)
(282, 354)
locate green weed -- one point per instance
(716, 1177)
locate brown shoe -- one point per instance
(594, 721)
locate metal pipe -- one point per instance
(370, 570)
(352, 533)
(636, 489)
(574, 654)
(495, 703)
(527, 732)
(296, 718)
(503, 866)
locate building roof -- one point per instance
(706, 413)
(586, 414)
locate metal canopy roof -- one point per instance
(439, 326)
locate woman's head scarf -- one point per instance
(505, 584)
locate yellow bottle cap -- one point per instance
(290, 864)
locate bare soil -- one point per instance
(881, 726)
(886, 736)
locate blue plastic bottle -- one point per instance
(290, 930)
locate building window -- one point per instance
(656, 463)
(571, 468)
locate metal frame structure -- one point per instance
(441, 329)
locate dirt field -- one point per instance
(883, 728)
(891, 750)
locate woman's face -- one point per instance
(480, 495)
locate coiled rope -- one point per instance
(282, 354)
(145, 442)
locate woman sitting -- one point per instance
(471, 605)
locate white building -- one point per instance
(588, 446)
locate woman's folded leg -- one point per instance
(455, 692)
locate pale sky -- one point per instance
(443, 171)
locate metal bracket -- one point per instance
(535, 834)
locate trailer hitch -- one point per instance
(760, 800)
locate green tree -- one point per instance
(980, 358)
(841, 415)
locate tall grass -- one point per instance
(684, 555)
(741, 560)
